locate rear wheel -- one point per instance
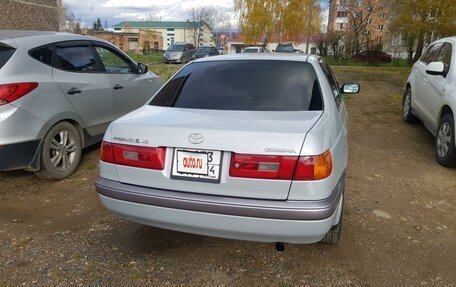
(407, 107)
(61, 152)
(445, 141)
(333, 235)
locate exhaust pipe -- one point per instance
(279, 246)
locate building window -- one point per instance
(343, 3)
(170, 29)
(341, 26)
(156, 45)
(380, 27)
(369, 21)
(341, 14)
(382, 15)
(117, 29)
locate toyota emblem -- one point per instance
(195, 138)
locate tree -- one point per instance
(359, 14)
(97, 26)
(77, 28)
(67, 20)
(260, 19)
(420, 21)
(203, 14)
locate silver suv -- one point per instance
(58, 94)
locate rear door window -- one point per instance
(243, 85)
(332, 82)
(75, 59)
(5, 54)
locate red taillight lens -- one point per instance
(314, 167)
(12, 92)
(258, 166)
(281, 167)
(135, 156)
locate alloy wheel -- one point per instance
(443, 139)
(62, 150)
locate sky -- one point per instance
(116, 11)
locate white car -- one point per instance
(255, 50)
(221, 153)
(430, 96)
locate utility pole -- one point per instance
(309, 25)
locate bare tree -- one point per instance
(67, 19)
(204, 14)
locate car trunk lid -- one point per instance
(241, 132)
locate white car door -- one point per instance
(421, 88)
(436, 85)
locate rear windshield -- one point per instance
(251, 50)
(204, 50)
(5, 54)
(176, 48)
(285, 48)
(243, 85)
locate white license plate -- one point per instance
(198, 165)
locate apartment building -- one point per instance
(198, 33)
(370, 17)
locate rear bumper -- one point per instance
(236, 218)
(23, 155)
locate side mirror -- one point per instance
(436, 69)
(143, 68)
(350, 88)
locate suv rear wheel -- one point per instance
(61, 152)
(444, 141)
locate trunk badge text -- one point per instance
(130, 140)
(195, 138)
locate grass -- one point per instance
(146, 59)
(339, 62)
(164, 71)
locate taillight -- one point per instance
(314, 167)
(11, 92)
(258, 166)
(281, 167)
(134, 156)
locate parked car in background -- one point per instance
(58, 94)
(229, 155)
(285, 48)
(205, 51)
(179, 53)
(373, 56)
(430, 96)
(221, 51)
(255, 50)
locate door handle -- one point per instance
(73, 91)
(118, 87)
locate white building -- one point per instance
(198, 33)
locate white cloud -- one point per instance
(115, 11)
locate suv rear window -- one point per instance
(5, 54)
(285, 48)
(243, 85)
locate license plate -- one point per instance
(197, 165)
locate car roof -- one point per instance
(30, 39)
(260, 56)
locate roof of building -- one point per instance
(157, 24)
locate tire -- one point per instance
(61, 152)
(445, 149)
(407, 107)
(333, 235)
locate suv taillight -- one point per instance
(134, 156)
(281, 167)
(12, 92)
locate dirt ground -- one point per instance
(399, 221)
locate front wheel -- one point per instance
(61, 152)
(445, 141)
(407, 107)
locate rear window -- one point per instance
(5, 55)
(76, 59)
(247, 85)
(285, 48)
